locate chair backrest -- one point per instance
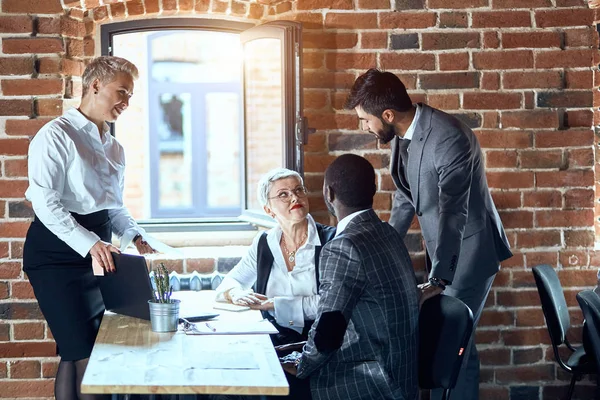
(445, 327)
(553, 302)
(590, 306)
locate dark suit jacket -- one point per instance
(363, 344)
(449, 193)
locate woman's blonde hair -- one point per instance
(105, 68)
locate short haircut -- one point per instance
(376, 91)
(266, 181)
(106, 68)
(352, 179)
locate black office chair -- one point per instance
(445, 327)
(558, 322)
(589, 302)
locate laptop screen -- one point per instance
(128, 289)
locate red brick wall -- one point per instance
(522, 76)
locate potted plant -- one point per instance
(164, 311)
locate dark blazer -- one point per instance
(449, 193)
(363, 343)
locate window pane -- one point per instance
(174, 143)
(188, 56)
(264, 112)
(223, 151)
(132, 127)
(182, 131)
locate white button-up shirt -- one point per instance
(294, 293)
(72, 168)
(341, 226)
(408, 135)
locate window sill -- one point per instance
(204, 259)
(201, 250)
(202, 234)
(187, 241)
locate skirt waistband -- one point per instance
(88, 221)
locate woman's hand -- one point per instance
(265, 304)
(240, 296)
(244, 297)
(143, 247)
(101, 258)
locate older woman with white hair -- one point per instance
(76, 170)
(281, 264)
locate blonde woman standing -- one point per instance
(76, 171)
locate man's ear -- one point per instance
(388, 116)
(330, 193)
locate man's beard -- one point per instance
(387, 132)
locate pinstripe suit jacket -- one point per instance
(366, 277)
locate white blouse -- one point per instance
(72, 169)
(294, 293)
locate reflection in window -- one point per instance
(174, 130)
(171, 127)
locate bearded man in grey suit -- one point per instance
(438, 170)
(364, 341)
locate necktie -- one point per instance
(403, 151)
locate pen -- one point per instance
(212, 328)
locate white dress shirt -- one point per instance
(74, 169)
(411, 129)
(294, 292)
(346, 220)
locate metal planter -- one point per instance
(164, 317)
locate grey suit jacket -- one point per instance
(363, 343)
(449, 193)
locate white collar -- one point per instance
(346, 220)
(312, 238)
(411, 129)
(79, 121)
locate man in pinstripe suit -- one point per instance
(363, 343)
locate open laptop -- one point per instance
(128, 290)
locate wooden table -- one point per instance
(128, 358)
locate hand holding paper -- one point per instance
(97, 268)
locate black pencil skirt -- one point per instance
(64, 285)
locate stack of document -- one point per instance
(230, 328)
